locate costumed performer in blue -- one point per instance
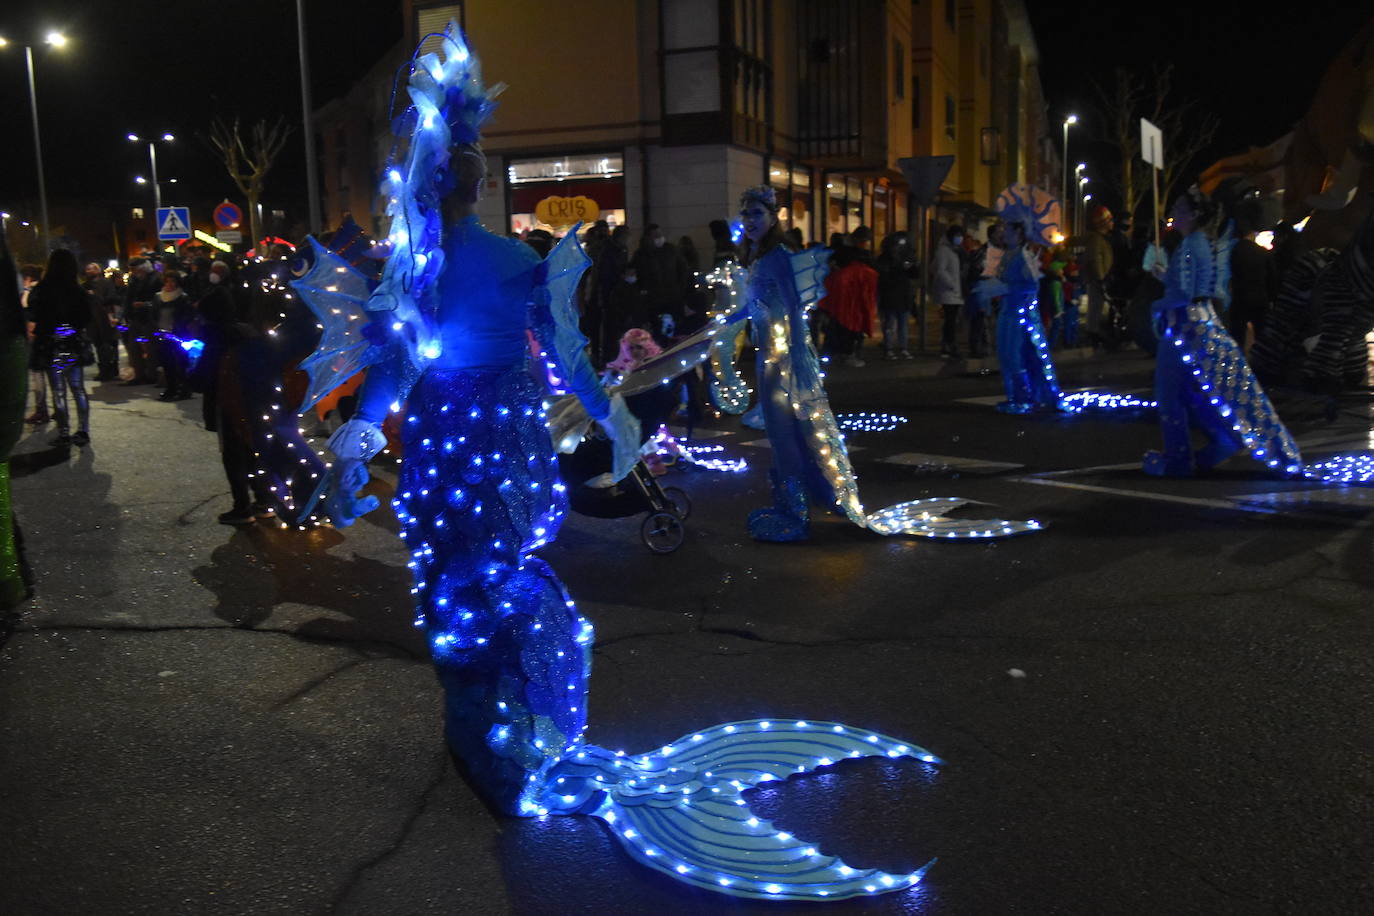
(1201, 378)
(444, 332)
(1029, 218)
(810, 461)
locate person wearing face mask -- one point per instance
(218, 316)
(946, 289)
(663, 275)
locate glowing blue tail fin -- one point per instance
(680, 809)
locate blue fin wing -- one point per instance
(809, 268)
(337, 293)
(560, 273)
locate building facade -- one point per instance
(663, 111)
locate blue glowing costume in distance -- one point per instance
(1202, 380)
(1023, 352)
(810, 461)
(1022, 348)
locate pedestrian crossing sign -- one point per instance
(173, 223)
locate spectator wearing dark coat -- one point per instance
(897, 268)
(663, 275)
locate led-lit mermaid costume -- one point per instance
(1023, 352)
(1202, 379)
(810, 461)
(444, 330)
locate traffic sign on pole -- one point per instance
(173, 223)
(228, 216)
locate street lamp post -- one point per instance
(1082, 210)
(57, 40)
(1077, 173)
(1064, 185)
(312, 180)
(152, 164)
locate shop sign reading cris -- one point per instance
(564, 211)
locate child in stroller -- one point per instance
(591, 492)
(586, 470)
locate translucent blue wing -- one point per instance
(337, 293)
(669, 364)
(809, 268)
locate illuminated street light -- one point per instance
(57, 40)
(1064, 185)
(152, 164)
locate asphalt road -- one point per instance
(1160, 704)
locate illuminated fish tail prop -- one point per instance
(680, 809)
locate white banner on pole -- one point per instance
(1151, 144)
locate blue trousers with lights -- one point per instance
(1023, 355)
(1182, 406)
(478, 493)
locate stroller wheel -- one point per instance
(678, 502)
(662, 532)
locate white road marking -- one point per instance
(1204, 502)
(919, 459)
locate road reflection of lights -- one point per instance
(869, 422)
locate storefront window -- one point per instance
(802, 208)
(587, 186)
(835, 212)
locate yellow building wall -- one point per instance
(975, 101)
(583, 88)
(898, 120)
(935, 49)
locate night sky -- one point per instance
(148, 65)
(151, 66)
(1256, 65)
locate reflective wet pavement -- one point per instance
(1156, 705)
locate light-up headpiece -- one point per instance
(760, 194)
(1034, 209)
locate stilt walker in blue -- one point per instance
(1201, 378)
(444, 332)
(1029, 218)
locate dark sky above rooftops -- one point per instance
(153, 66)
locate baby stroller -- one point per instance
(668, 507)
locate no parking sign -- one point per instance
(228, 216)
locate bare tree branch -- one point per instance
(1186, 127)
(249, 159)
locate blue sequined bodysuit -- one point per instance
(1203, 381)
(478, 493)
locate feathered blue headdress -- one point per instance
(1035, 209)
(449, 106)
